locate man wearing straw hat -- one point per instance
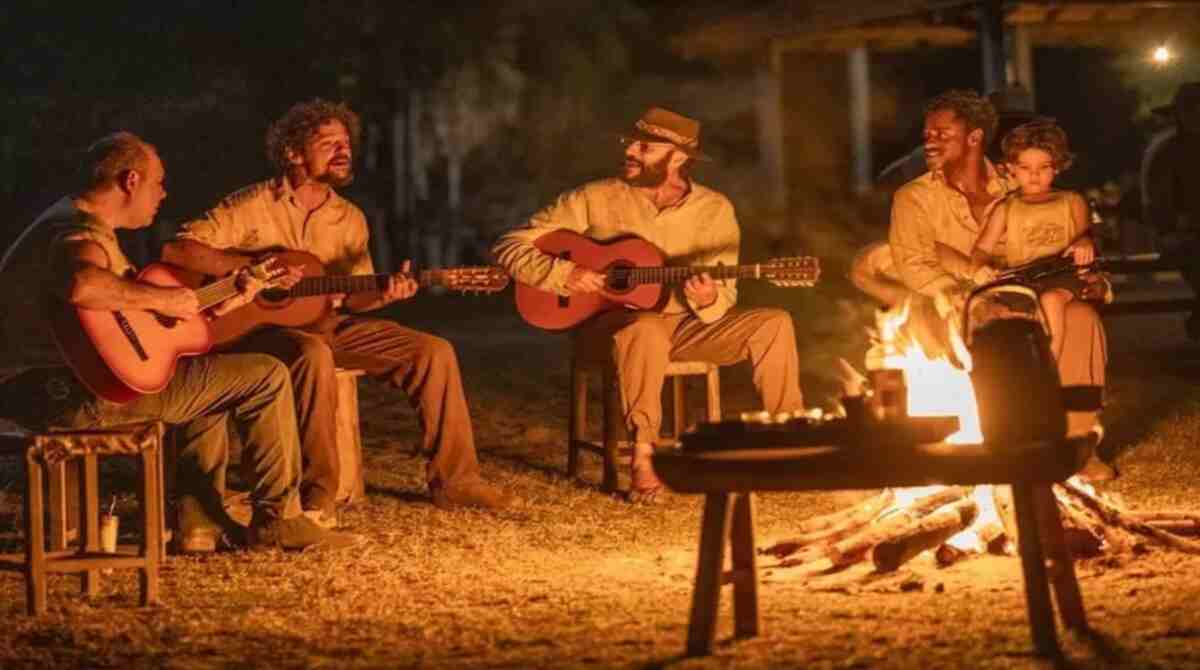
(654, 197)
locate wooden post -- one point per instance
(678, 405)
(89, 527)
(35, 536)
(1059, 563)
(614, 427)
(577, 422)
(859, 75)
(746, 621)
(714, 529)
(712, 389)
(768, 106)
(991, 44)
(1023, 61)
(1033, 565)
(150, 498)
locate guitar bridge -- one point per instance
(127, 330)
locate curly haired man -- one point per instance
(312, 146)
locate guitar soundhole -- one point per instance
(274, 295)
(618, 278)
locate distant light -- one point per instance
(1162, 55)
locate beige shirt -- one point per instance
(701, 229)
(1036, 230)
(926, 211)
(267, 216)
(28, 272)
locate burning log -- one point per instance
(855, 548)
(832, 527)
(1003, 500)
(1115, 516)
(1179, 523)
(926, 532)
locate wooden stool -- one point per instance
(351, 484)
(44, 451)
(614, 423)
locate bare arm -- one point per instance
(88, 283)
(985, 246)
(200, 257)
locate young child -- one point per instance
(1038, 220)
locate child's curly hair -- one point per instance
(293, 129)
(1042, 134)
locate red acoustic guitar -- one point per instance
(635, 277)
(309, 300)
(122, 354)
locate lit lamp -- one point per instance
(1161, 55)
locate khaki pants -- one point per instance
(424, 366)
(640, 344)
(1083, 360)
(251, 390)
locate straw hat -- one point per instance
(662, 125)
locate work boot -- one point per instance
(472, 492)
(199, 533)
(298, 532)
(326, 517)
(1095, 470)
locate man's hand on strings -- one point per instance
(400, 286)
(701, 289)
(248, 286)
(583, 280)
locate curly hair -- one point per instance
(294, 128)
(975, 110)
(1042, 134)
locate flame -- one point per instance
(936, 387)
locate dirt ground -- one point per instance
(577, 578)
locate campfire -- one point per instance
(955, 523)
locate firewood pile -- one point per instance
(956, 522)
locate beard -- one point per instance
(336, 178)
(649, 176)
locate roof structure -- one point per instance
(895, 25)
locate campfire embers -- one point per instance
(1018, 383)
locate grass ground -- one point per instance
(576, 578)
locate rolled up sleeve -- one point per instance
(223, 227)
(516, 253)
(913, 239)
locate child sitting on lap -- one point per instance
(1038, 220)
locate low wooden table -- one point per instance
(728, 478)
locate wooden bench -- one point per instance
(728, 478)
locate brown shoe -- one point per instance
(470, 493)
(298, 532)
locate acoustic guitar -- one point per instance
(635, 277)
(309, 301)
(122, 354)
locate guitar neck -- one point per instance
(675, 275)
(217, 292)
(330, 284)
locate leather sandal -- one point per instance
(644, 485)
